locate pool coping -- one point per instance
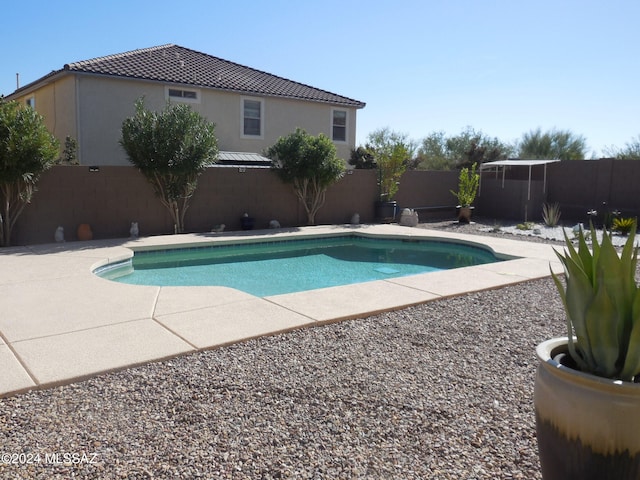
(61, 323)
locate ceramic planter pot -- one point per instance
(385, 212)
(247, 223)
(464, 214)
(588, 427)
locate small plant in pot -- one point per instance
(587, 390)
(468, 183)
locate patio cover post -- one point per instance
(517, 163)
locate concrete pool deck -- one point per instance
(60, 323)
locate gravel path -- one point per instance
(442, 390)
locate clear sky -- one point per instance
(504, 67)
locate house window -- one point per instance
(31, 102)
(339, 125)
(252, 117)
(182, 95)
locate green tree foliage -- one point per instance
(439, 152)
(361, 158)
(27, 149)
(553, 144)
(309, 164)
(392, 153)
(631, 151)
(171, 148)
(433, 153)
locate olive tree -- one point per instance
(171, 149)
(27, 149)
(309, 164)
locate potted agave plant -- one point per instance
(468, 183)
(587, 389)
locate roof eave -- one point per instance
(29, 87)
(350, 103)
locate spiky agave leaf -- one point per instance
(631, 367)
(601, 320)
(576, 296)
(602, 302)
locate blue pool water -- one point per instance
(273, 268)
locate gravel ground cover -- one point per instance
(442, 390)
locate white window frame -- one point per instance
(181, 98)
(31, 101)
(242, 131)
(346, 124)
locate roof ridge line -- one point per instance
(264, 72)
(119, 55)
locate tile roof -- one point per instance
(179, 65)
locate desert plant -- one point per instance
(602, 304)
(551, 214)
(526, 226)
(623, 225)
(468, 183)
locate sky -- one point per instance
(502, 67)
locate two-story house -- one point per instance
(89, 100)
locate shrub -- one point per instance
(27, 149)
(171, 148)
(623, 225)
(309, 164)
(551, 214)
(525, 226)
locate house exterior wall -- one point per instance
(104, 102)
(56, 102)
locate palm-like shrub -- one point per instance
(623, 225)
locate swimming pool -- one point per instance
(277, 267)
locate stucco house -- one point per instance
(88, 100)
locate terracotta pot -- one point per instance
(588, 427)
(84, 232)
